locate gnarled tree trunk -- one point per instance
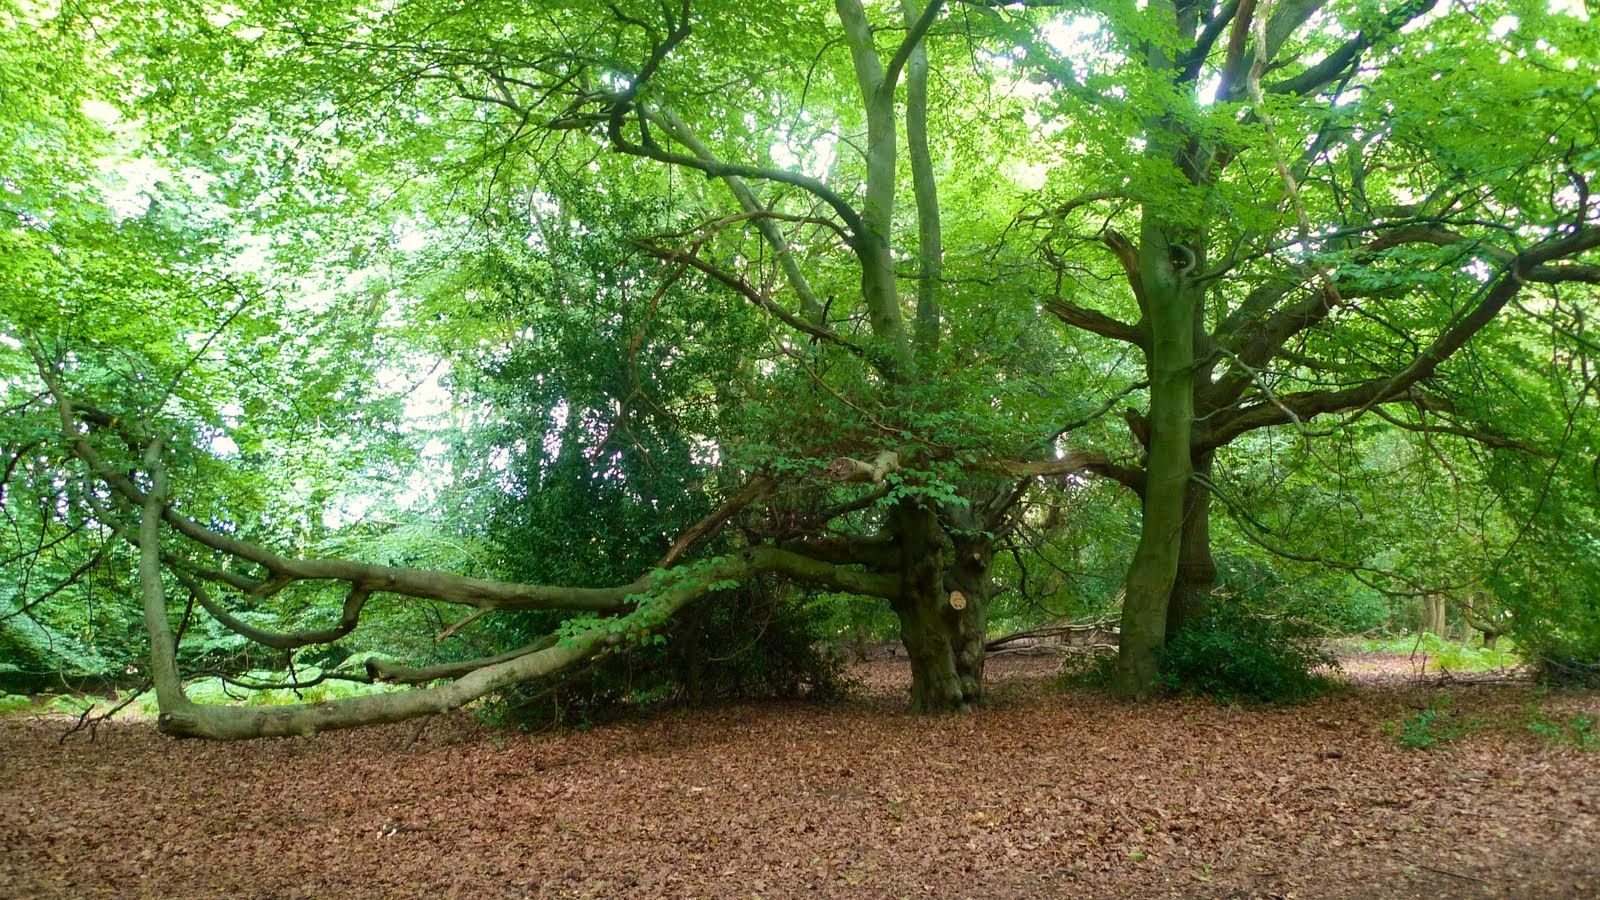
(943, 611)
(967, 581)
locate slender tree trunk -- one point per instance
(1168, 256)
(1433, 621)
(1191, 595)
(693, 659)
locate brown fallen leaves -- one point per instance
(1047, 794)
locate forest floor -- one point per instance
(1051, 792)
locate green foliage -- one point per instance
(1456, 657)
(1448, 655)
(1432, 727)
(1565, 660)
(739, 644)
(220, 691)
(1576, 731)
(1087, 670)
(1234, 654)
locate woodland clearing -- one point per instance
(1083, 796)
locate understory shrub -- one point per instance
(1088, 670)
(1565, 663)
(13, 702)
(1239, 654)
(746, 643)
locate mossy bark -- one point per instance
(1196, 578)
(1171, 311)
(943, 610)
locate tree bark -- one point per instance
(1433, 620)
(968, 579)
(1170, 361)
(1191, 595)
(943, 612)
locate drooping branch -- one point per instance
(1255, 333)
(184, 718)
(748, 291)
(1440, 236)
(367, 578)
(349, 618)
(837, 203)
(1483, 436)
(753, 490)
(623, 103)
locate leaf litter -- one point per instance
(1049, 792)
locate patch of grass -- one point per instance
(10, 703)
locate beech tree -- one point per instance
(1322, 217)
(1287, 210)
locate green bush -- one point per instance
(1565, 663)
(1240, 654)
(1087, 670)
(745, 643)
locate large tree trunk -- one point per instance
(969, 587)
(1191, 594)
(943, 611)
(1172, 306)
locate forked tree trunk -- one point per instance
(1191, 595)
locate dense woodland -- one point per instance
(387, 358)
